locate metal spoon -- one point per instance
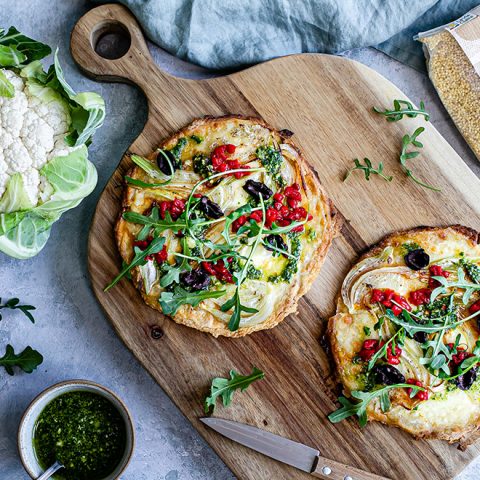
(50, 471)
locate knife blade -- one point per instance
(287, 451)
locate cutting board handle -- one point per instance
(107, 43)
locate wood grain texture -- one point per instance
(326, 101)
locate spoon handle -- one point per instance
(50, 471)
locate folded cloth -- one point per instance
(228, 34)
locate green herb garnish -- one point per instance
(14, 304)
(224, 388)
(139, 259)
(359, 409)
(235, 302)
(172, 301)
(408, 140)
(272, 160)
(471, 269)
(197, 138)
(368, 169)
(28, 360)
(401, 108)
(177, 150)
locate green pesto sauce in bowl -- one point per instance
(82, 430)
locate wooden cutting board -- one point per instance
(326, 101)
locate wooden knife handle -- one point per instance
(331, 470)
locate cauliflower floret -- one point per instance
(37, 137)
(17, 157)
(31, 181)
(32, 132)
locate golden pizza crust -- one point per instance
(324, 220)
(459, 416)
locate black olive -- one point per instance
(255, 189)
(162, 163)
(465, 381)
(275, 241)
(387, 375)
(285, 133)
(417, 259)
(420, 337)
(196, 279)
(209, 208)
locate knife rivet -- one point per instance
(348, 477)
(326, 470)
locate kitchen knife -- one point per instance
(287, 451)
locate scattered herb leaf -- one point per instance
(28, 360)
(401, 108)
(224, 388)
(368, 169)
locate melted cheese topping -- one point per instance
(448, 410)
(229, 195)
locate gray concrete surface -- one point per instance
(71, 331)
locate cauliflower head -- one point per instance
(32, 132)
(45, 128)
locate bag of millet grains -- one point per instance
(453, 59)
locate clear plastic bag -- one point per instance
(453, 60)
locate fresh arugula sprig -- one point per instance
(401, 108)
(172, 301)
(154, 221)
(139, 259)
(171, 273)
(368, 169)
(399, 338)
(414, 323)
(192, 199)
(253, 229)
(28, 360)
(359, 409)
(461, 283)
(235, 301)
(224, 388)
(467, 364)
(231, 217)
(14, 304)
(408, 140)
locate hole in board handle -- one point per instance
(111, 40)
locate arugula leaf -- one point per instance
(235, 301)
(231, 217)
(28, 360)
(238, 308)
(408, 140)
(172, 301)
(383, 351)
(461, 282)
(401, 108)
(359, 409)
(139, 259)
(172, 272)
(224, 388)
(158, 224)
(13, 304)
(368, 169)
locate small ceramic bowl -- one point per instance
(27, 424)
